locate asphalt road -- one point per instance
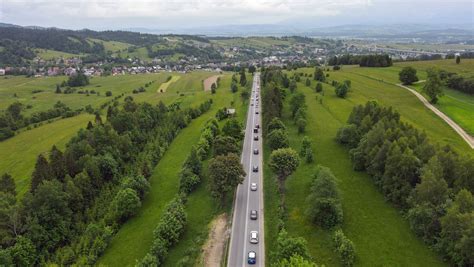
(245, 199)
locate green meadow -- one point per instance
(381, 235)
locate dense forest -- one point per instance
(361, 60)
(79, 197)
(432, 185)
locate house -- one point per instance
(230, 111)
(2, 72)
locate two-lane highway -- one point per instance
(249, 194)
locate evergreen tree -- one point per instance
(7, 184)
(41, 173)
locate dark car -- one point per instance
(255, 151)
(256, 112)
(255, 168)
(252, 257)
(255, 130)
(253, 215)
(255, 138)
(257, 126)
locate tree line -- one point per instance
(377, 60)
(79, 197)
(431, 184)
(12, 119)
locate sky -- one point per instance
(126, 14)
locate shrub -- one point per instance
(126, 204)
(344, 247)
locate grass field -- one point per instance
(44, 100)
(380, 234)
(134, 238)
(18, 154)
(458, 106)
(112, 46)
(47, 54)
(165, 85)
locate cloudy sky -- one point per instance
(122, 14)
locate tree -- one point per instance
(275, 124)
(433, 86)
(341, 90)
(324, 207)
(233, 87)
(225, 173)
(7, 184)
(458, 59)
(188, 181)
(108, 93)
(41, 173)
(213, 88)
(125, 204)
(319, 75)
(288, 247)
(344, 247)
(23, 253)
(457, 234)
(243, 78)
(308, 82)
(295, 261)
(233, 128)
(252, 69)
(408, 75)
(78, 79)
(278, 139)
(283, 163)
(138, 183)
(224, 145)
(58, 89)
(293, 86)
(57, 163)
(319, 87)
(193, 162)
(301, 124)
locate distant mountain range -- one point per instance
(458, 31)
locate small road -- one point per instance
(468, 138)
(245, 199)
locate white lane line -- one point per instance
(249, 175)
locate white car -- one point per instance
(253, 237)
(253, 186)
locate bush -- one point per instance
(138, 183)
(188, 181)
(344, 247)
(126, 204)
(108, 93)
(324, 207)
(348, 135)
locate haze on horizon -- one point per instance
(179, 14)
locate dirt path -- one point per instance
(468, 138)
(165, 85)
(213, 250)
(209, 81)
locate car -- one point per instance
(257, 126)
(254, 237)
(255, 138)
(255, 151)
(255, 168)
(253, 186)
(251, 104)
(253, 215)
(256, 112)
(252, 257)
(255, 130)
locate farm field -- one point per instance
(20, 162)
(134, 238)
(18, 154)
(458, 106)
(380, 234)
(47, 54)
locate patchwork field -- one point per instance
(18, 154)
